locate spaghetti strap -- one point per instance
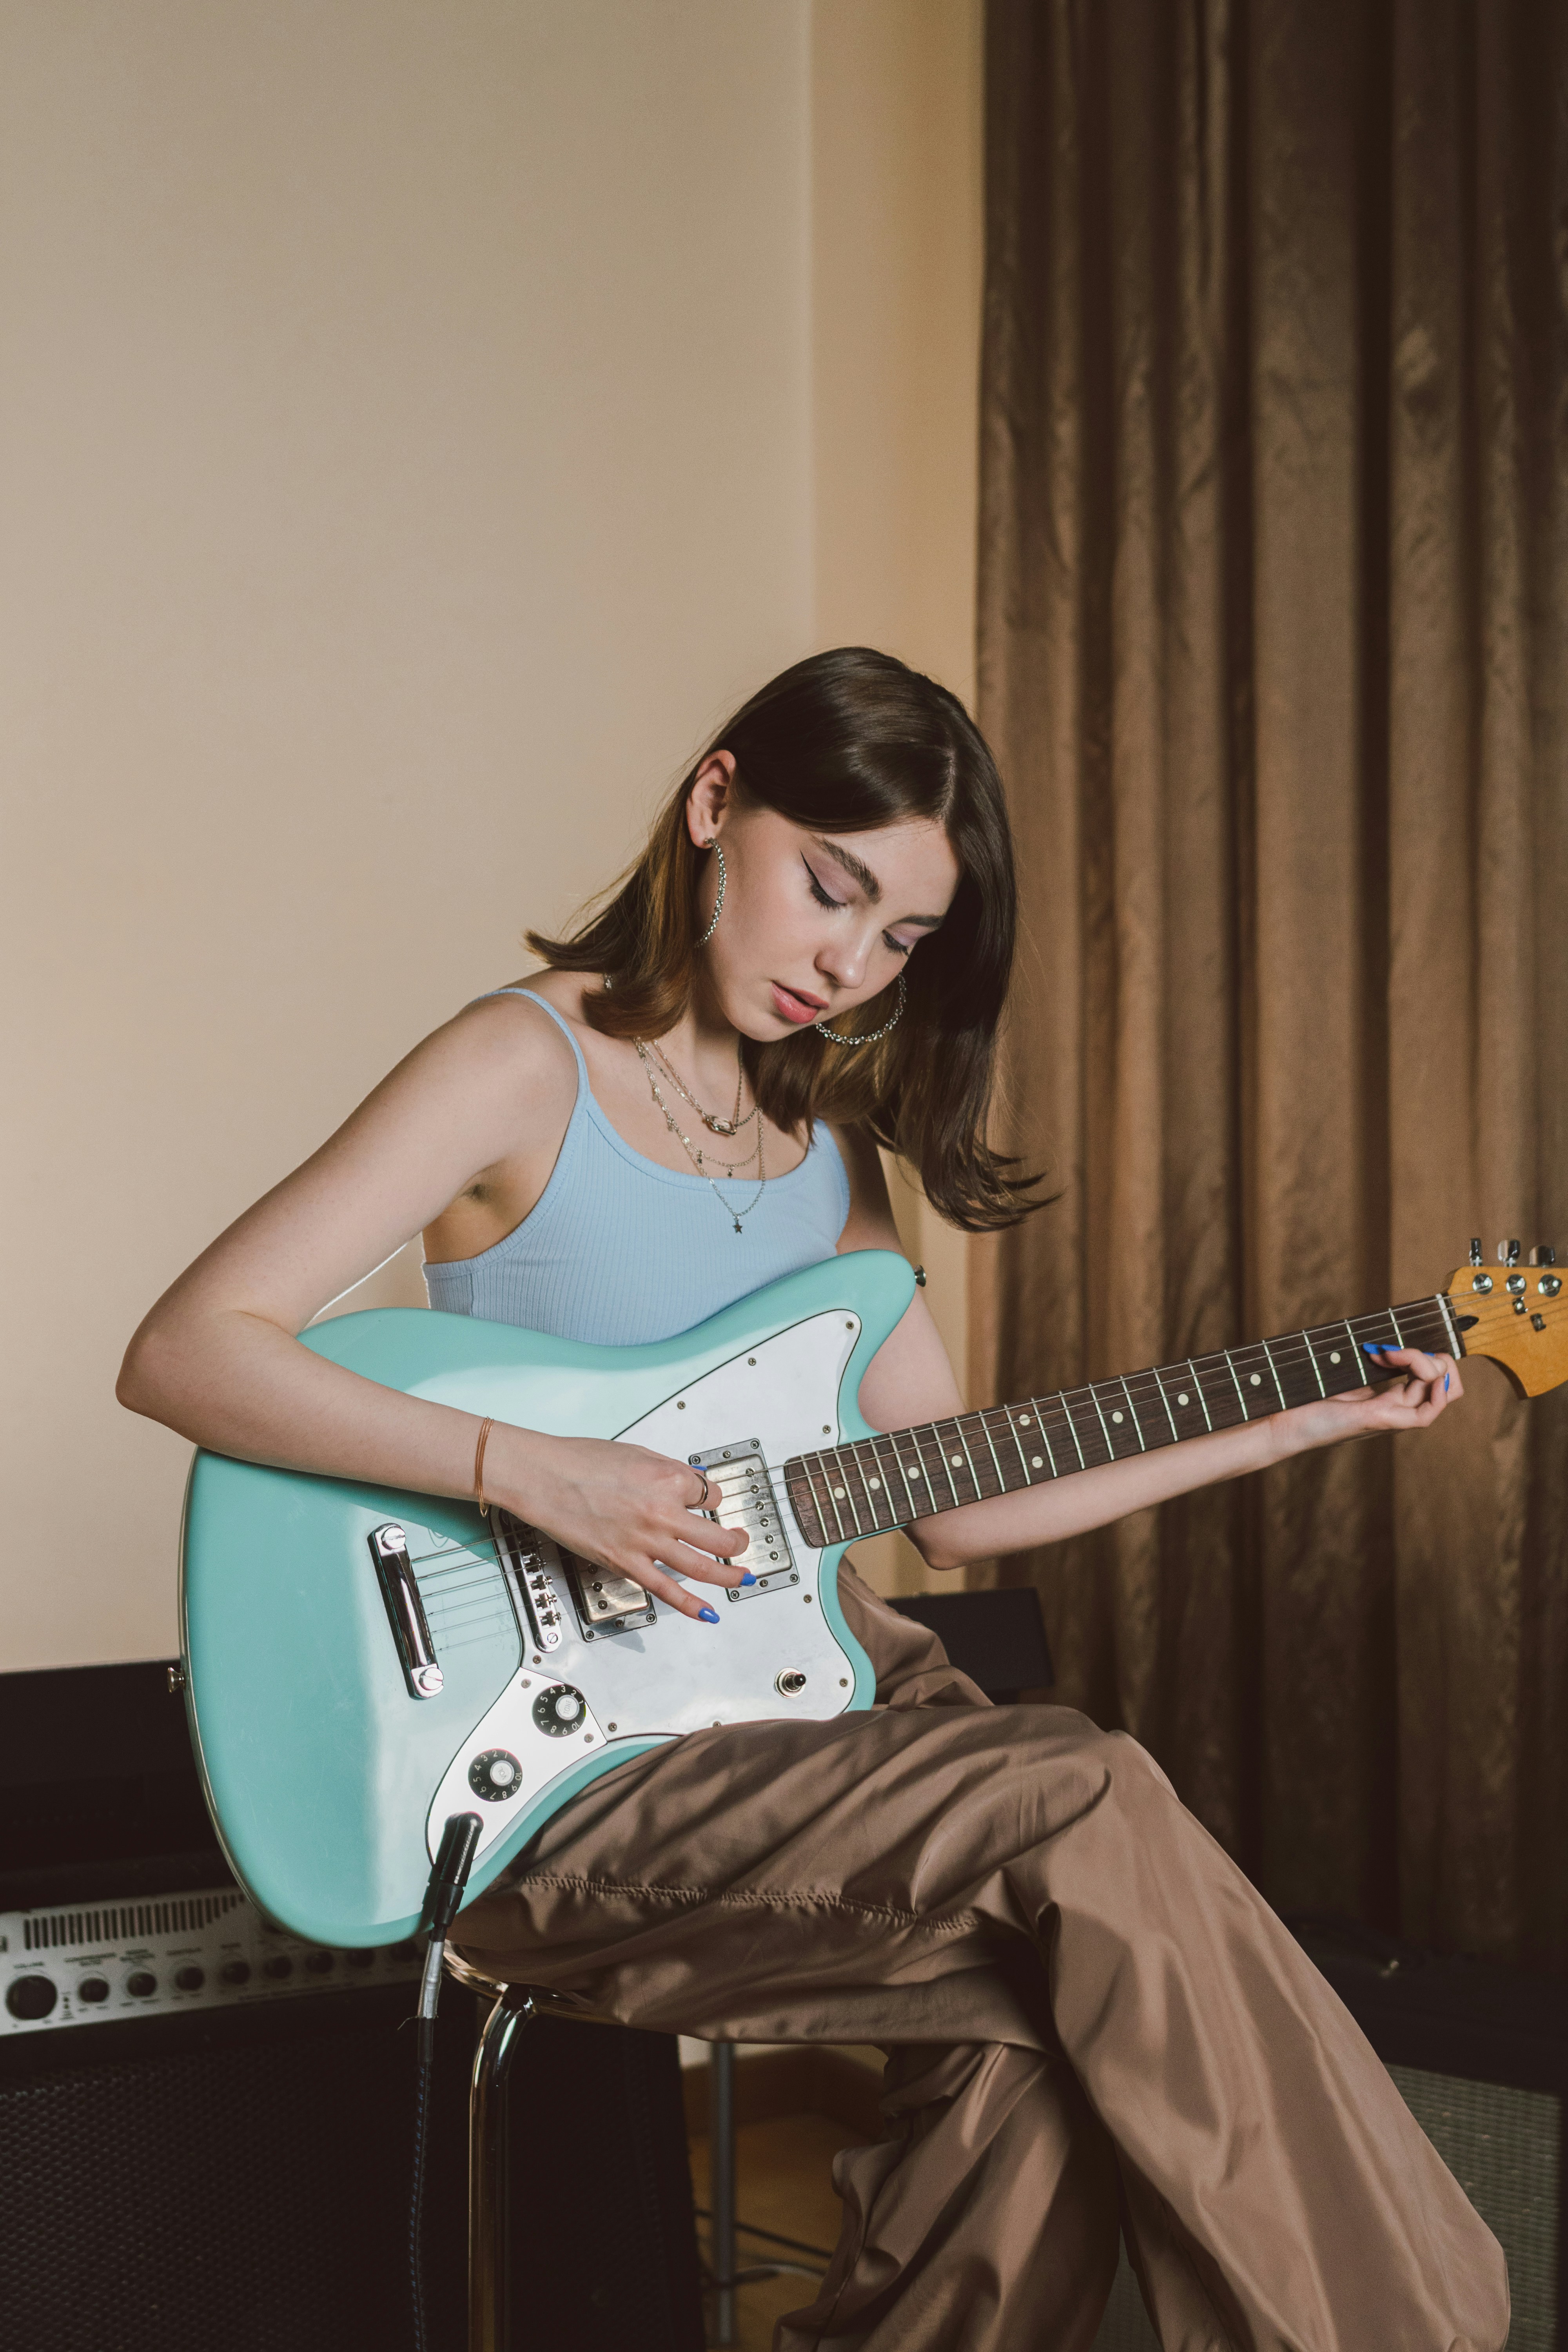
(560, 1023)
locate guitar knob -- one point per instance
(1508, 1253)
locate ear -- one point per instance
(712, 791)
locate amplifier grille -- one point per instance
(120, 1923)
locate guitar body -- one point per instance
(329, 1772)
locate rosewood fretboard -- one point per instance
(878, 1483)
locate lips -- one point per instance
(795, 1005)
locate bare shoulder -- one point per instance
(511, 1040)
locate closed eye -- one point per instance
(826, 898)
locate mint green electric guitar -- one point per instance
(360, 1662)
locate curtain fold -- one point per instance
(1273, 624)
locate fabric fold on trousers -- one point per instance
(1091, 2018)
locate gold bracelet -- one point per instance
(485, 1428)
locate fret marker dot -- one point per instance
(1116, 1416)
(1256, 1379)
(1335, 1357)
(1035, 1462)
(838, 1493)
(911, 1473)
(874, 1484)
(1181, 1399)
(1024, 1419)
(956, 1460)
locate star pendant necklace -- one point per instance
(695, 1153)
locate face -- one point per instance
(814, 923)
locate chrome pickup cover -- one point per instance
(740, 1473)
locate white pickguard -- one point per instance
(678, 1675)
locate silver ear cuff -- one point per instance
(718, 902)
(868, 1036)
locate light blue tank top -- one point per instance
(618, 1249)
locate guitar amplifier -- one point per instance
(1480, 2054)
(206, 2125)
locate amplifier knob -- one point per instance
(279, 1967)
(141, 1984)
(361, 1959)
(92, 1989)
(235, 1972)
(190, 1980)
(319, 1964)
(31, 1997)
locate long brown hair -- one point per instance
(842, 743)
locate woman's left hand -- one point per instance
(1428, 1385)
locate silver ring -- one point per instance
(702, 1504)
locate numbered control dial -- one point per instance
(496, 1775)
(560, 1710)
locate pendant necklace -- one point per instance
(696, 1155)
(711, 1118)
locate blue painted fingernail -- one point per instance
(748, 1577)
(709, 1616)
(1445, 1384)
(1375, 1346)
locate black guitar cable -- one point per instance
(444, 1893)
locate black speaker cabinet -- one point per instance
(188, 2166)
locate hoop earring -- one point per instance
(718, 902)
(868, 1036)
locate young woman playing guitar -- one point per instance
(1092, 2020)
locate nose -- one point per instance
(843, 961)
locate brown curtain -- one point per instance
(1274, 654)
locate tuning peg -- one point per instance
(1508, 1253)
(1475, 1250)
(1544, 1255)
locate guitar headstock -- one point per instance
(1521, 1315)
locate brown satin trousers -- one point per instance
(1092, 2022)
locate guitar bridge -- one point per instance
(739, 1475)
(530, 1563)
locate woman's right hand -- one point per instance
(619, 1506)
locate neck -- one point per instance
(864, 1488)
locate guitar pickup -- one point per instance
(530, 1564)
(406, 1611)
(738, 1478)
(605, 1602)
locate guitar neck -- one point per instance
(875, 1484)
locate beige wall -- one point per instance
(416, 424)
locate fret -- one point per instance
(915, 1493)
(1104, 1425)
(958, 1432)
(1137, 1423)
(1022, 1457)
(877, 1443)
(868, 1466)
(1313, 1359)
(1275, 1370)
(847, 1473)
(826, 1494)
(985, 1434)
(1165, 1400)
(1449, 1332)
(1072, 1427)
(933, 1495)
(1397, 1332)
(946, 1466)
(1202, 1399)
(1231, 1369)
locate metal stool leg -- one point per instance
(722, 2196)
(487, 2283)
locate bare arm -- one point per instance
(910, 1380)
(218, 1357)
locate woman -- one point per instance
(1090, 2018)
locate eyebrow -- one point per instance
(860, 872)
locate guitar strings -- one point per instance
(1150, 1386)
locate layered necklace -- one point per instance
(649, 1054)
